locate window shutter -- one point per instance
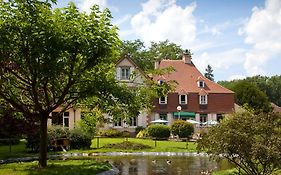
(118, 73)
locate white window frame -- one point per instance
(127, 72)
(133, 121)
(203, 99)
(66, 117)
(183, 102)
(201, 85)
(163, 102)
(116, 123)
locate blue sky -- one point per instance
(238, 38)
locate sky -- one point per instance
(238, 38)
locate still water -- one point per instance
(166, 165)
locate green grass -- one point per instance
(161, 146)
(16, 151)
(233, 171)
(55, 167)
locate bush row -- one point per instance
(179, 128)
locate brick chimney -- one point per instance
(186, 57)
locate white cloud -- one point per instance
(164, 19)
(263, 31)
(236, 77)
(85, 5)
(123, 20)
(220, 60)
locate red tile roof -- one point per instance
(187, 76)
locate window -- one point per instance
(161, 82)
(163, 116)
(163, 100)
(183, 99)
(219, 117)
(118, 122)
(125, 73)
(56, 118)
(201, 84)
(203, 99)
(133, 121)
(203, 118)
(66, 119)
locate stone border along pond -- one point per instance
(66, 155)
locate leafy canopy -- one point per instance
(251, 142)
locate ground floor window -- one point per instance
(163, 116)
(203, 118)
(66, 119)
(219, 117)
(133, 121)
(118, 122)
(57, 118)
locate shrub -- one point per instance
(57, 132)
(138, 129)
(125, 134)
(182, 128)
(79, 139)
(110, 133)
(142, 134)
(159, 131)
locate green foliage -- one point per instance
(139, 128)
(57, 132)
(145, 57)
(209, 73)
(182, 128)
(248, 94)
(142, 134)
(110, 133)
(88, 122)
(251, 142)
(159, 131)
(269, 85)
(79, 139)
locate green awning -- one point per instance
(184, 114)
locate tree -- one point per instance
(209, 73)
(51, 58)
(145, 57)
(248, 94)
(251, 142)
(182, 128)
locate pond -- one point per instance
(169, 165)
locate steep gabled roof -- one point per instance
(187, 76)
(127, 57)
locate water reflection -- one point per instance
(172, 165)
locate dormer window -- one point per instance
(201, 84)
(125, 73)
(182, 99)
(161, 82)
(163, 100)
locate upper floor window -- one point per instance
(125, 73)
(201, 84)
(163, 100)
(203, 99)
(183, 99)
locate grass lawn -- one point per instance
(55, 167)
(16, 151)
(161, 146)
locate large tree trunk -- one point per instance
(43, 141)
